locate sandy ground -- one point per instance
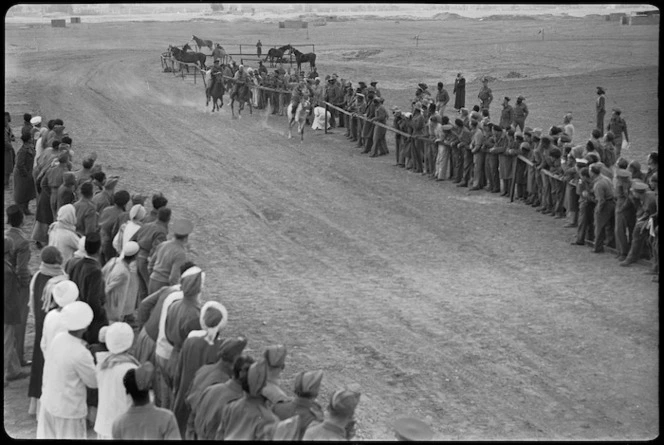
(468, 311)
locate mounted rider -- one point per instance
(300, 92)
(241, 78)
(215, 75)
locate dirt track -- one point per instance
(471, 312)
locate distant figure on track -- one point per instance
(600, 108)
(459, 91)
(485, 95)
(259, 48)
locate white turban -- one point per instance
(65, 292)
(137, 213)
(119, 337)
(77, 315)
(130, 249)
(35, 120)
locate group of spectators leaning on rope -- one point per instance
(126, 340)
(605, 195)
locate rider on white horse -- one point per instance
(300, 92)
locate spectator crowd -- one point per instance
(124, 342)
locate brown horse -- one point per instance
(243, 94)
(215, 89)
(188, 57)
(200, 43)
(276, 53)
(304, 58)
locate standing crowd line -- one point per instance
(125, 342)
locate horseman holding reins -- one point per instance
(300, 92)
(241, 79)
(215, 75)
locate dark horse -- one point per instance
(276, 53)
(188, 57)
(243, 94)
(304, 58)
(200, 43)
(215, 90)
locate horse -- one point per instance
(243, 94)
(276, 53)
(200, 43)
(302, 111)
(187, 57)
(301, 57)
(215, 89)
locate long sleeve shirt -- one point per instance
(520, 111)
(164, 265)
(68, 370)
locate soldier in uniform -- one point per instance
(417, 152)
(442, 98)
(307, 386)
(353, 109)
(361, 111)
(368, 128)
(618, 126)
(520, 113)
(476, 141)
(340, 423)
(485, 95)
(275, 359)
(379, 147)
(506, 114)
(645, 202)
(373, 83)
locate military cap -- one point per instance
(344, 401)
(639, 187)
(275, 355)
(617, 110)
(527, 130)
(362, 83)
(518, 135)
(525, 146)
(373, 82)
(411, 429)
(601, 89)
(182, 227)
(520, 98)
(423, 86)
(308, 382)
(547, 137)
(507, 99)
(257, 377)
(447, 127)
(231, 348)
(623, 173)
(111, 182)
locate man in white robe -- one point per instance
(68, 369)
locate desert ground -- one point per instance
(469, 312)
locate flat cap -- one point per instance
(412, 429)
(182, 227)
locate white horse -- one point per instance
(300, 115)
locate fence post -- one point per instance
(325, 117)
